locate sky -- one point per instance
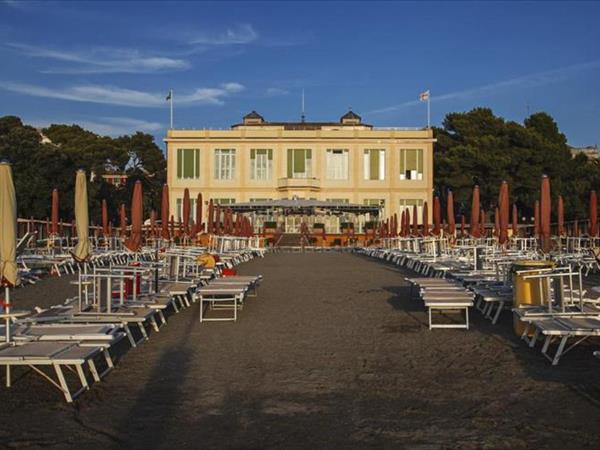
(108, 66)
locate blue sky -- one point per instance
(109, 65)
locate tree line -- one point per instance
(474, 147)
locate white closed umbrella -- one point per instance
(82, 250)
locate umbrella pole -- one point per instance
(7, 311)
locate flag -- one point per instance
(170, 95)
(424, 96)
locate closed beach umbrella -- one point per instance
(503, 206)
(475, 212)
(496, 231)
(186, 211)
(450, 214)
(82, 250)
(104, 218)
(560, 212)
(515, 221)
(415, 230)
(134, 243)
(437, 215)
(54, 215)
(593, 212)
(164, 213)
(395, 225)
(545, 212)
(123, 218)
(536, 219)
(172, 226)
(8, 227)
(425, 219)
(575, 232)
(210, 220)
(462, 225)
(218, 219)
(199, 227)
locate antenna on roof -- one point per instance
(302, 116)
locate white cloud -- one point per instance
(102, 60)
(525, 81)
(275, 91)
(113, 95)
(241, 34)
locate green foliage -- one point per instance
(477, 147)
(40, 167)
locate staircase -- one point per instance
(291, 240)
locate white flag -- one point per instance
(424, 96)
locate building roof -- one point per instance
(253, 115)
(305, 206)
(350, 115)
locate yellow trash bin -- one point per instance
(528, 292)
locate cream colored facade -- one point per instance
(203, 149)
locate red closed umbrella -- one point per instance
(199, 227)
(164, 213)
(482, 220)
(496, 231)
(395, 227)
(561, 216)
(450, 213)
(134, 243)
(172, 226)
(545, 212)
(415, 230)
(54, 215)
(218, 219)
(475, 214)
(575, 231)
(593, 213)
(425, 219)
(211, 219)
(462, 225)
(123, 217)
(186, 212)
(437, 216)
(503, 206)
(515, 221)
(104, 218)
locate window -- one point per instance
(409, 204)
(180, 209)
(261, 163)
(223, 201)
(374, 164)
(337, 164)
(376, 202)
(188, 163)
(338, 200)
(411, 164)
(253, 200)
(224, 164)
(299, 163)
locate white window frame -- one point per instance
(367, 164)
(261, 166)
(224, 163)
(414, 174)
(336, 163)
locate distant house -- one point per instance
(591, 151)
(116, 179)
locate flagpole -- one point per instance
(428, 111)
(171, 105)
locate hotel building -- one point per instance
(345, 161)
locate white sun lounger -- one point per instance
(220, 298)
(56, 355)
(459, 301)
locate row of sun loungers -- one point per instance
(75, 343)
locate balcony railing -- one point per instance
(311, 183)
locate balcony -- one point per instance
(308, 184)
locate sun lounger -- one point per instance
(459, 301)
(220, 298)
(56, 355)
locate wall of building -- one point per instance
(356, 189)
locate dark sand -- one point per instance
(333, 354)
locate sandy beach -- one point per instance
(332, 354)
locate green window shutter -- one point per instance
(290, 166)
(402, 166)
(373, 164)
(179, 163)
(299, 161)
(411, 160)
(420, 161)
(188, 164)
(270, 154)
(197, 173)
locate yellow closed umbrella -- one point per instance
(82, 250)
